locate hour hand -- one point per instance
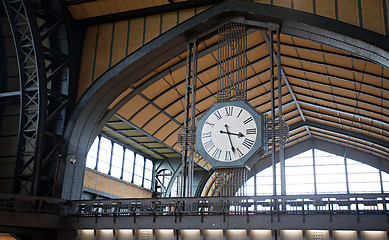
(235, 134)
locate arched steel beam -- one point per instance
(40, 40)
(93, 105)
(353, 134)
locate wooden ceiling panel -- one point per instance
(156, 89)
(203, 93)
(143, 116)
(286, 39)
(303, 42)
(257, 53)
(320, 78)
(301, 136)
(334, 50)
(205, 62)
(370, 106)
(337, 60)
(259, 67)
(290, 62)
(289, 51)
(314, 67)
(156, 123)
(293, 72)
(335, 71)
(297, 82)
(170, 96)
(343, 92)
(207, 76)
(309, 55)
(171, 139)
(166, 130)
(373, 68)
(373, 86)
(385, 74)
(175, 108)
(132, 106)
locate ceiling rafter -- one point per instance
(343, 112)
(348, 143)
(329, 75)
(340, 103)
(340, 131)
(344, 68)
(310, 80)
(337, 54)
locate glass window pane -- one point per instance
(104, 155)
(91, 158)
(129, 158)
(138, 171)
(117, 160)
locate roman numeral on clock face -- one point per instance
(248, 143)
(248, 120)
(216, 154)
(218, 115)
(210, 124)
(209, 145)
(228, 156)
(207, 134)
(251, 131)
(229, 111)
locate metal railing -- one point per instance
(302, 204)
(299, 205)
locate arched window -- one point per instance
(320, 172)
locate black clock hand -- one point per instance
(230, 133)
(229, 137)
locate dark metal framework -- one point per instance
(232, 62)
(40, 42)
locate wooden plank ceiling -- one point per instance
(327, 94)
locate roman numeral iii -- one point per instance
(251, 131)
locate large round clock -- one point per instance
(229, 134)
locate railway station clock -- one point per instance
(230, 133)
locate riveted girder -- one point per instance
(38, 33)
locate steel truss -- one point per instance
(40, 41)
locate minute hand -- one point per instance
(230, 133)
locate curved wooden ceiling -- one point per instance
(328, 94)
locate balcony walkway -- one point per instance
(331, 212)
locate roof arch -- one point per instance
(300, 30)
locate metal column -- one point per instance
(187, 135)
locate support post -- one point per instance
(273, 140)
(186, 137)
(280, 117)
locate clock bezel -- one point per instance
(259, 144)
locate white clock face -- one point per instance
(229, 133)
